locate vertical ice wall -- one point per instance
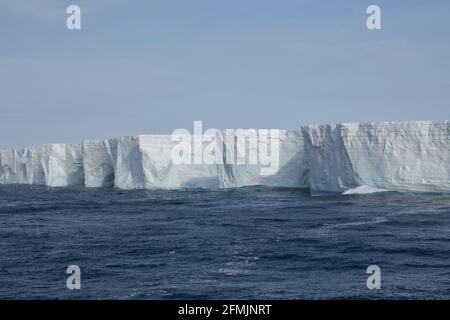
(402, 156)
(289, 167)
(330, 167)
(55, 165)
(160, 171)
(99, 157)
(129, 173)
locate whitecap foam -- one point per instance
(363, 190)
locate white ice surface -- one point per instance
(54, 165)
(363, 190)
(400, 156)
(340, 158)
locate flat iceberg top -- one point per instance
(404, 123)
(331, 158)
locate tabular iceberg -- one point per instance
(400, 156)
(339, 158)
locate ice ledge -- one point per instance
(333, 158)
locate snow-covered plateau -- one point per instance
(336, 158)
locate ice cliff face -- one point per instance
(57, 165)
(401, 156)
(341, 158)
(292, 167)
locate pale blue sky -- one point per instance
(154, 66)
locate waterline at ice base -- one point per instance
(348, 158)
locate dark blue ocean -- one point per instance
(255, 243)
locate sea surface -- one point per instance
(250, 243)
